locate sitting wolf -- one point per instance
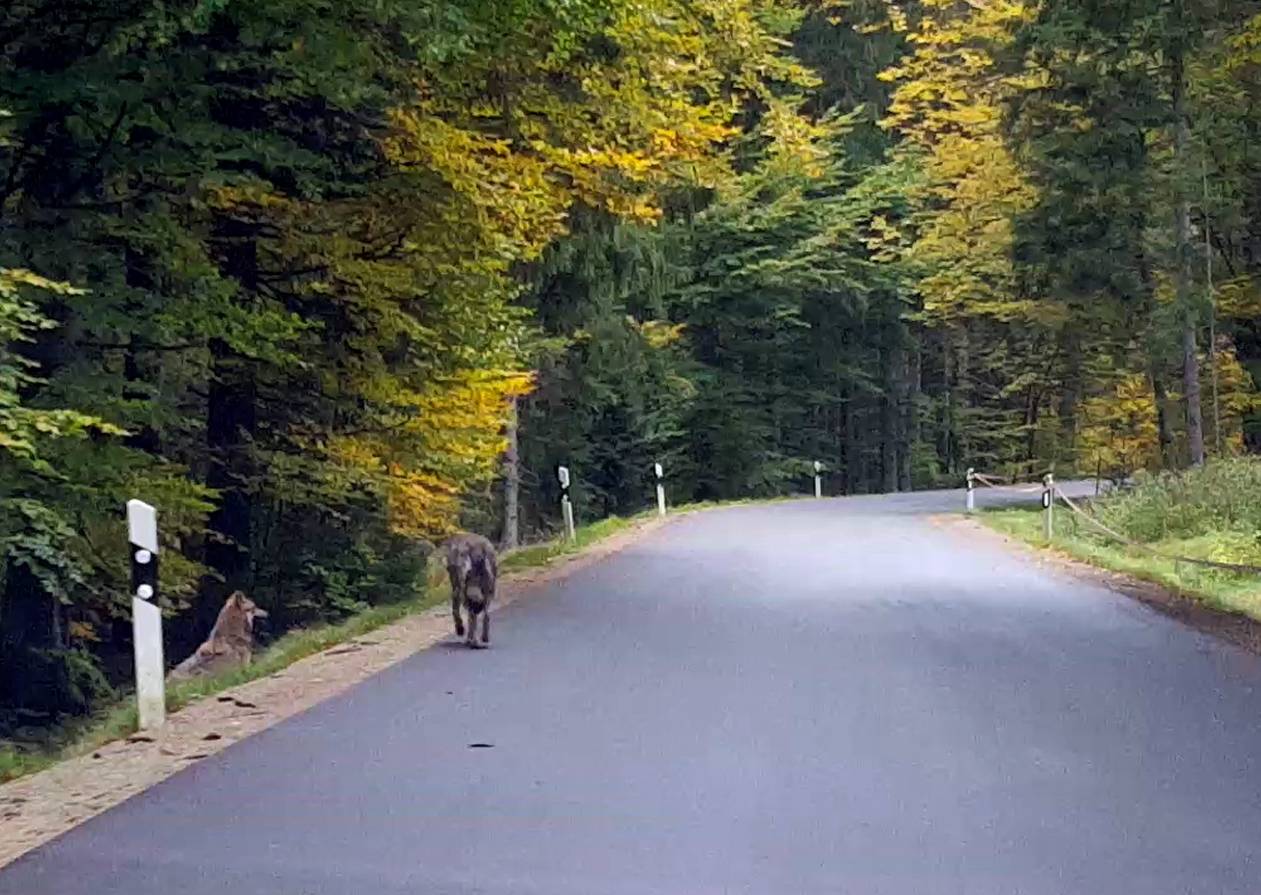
(231, 640)
(472, 566)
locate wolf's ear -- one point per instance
(237, 599)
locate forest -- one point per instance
(325, 280)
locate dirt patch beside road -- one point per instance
(38, 808)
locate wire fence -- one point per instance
(1052, 492)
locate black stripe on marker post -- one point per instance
(142, 538)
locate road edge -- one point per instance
(39, 807)
(1235, 628)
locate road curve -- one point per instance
(837, 696)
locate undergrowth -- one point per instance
(1224, 496)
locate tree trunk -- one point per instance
(946, 414)
(511, 536)
(901, 425)
(1164, 427)
(230, 429)
(853, 450)
(230, 425)
(1191, 386)
(965, 447)
(955, 441)
(1069, 397)
(145, 437)
(1154, 353)
(889, 424)
(1033, 402)
(1182, 239)
(1212, 320)
(914, 425)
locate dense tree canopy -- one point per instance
(299, 272)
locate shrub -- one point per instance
(1225, 495)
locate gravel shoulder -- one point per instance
(42, 806)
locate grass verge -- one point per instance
(119, 719)
(1228, 591)
(534, 555)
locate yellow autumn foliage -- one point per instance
(1237, 397)
(1239, 298)
(947, 105)
(1118, 431)
(501, 155)
(433, 442)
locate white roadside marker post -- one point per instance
(1048, 506)
(971, 500)
(566, 505)
(818, 480)
(146, 617)
(661, 490)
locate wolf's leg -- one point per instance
(457, 597)
(471, 640)
(486, 583)
(455, 615)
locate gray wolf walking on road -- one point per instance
(231, 640)
(473, 569)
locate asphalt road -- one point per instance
(816, 697)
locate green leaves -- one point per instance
(25, 430)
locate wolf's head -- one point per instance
(237, 616)
(248, 608)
